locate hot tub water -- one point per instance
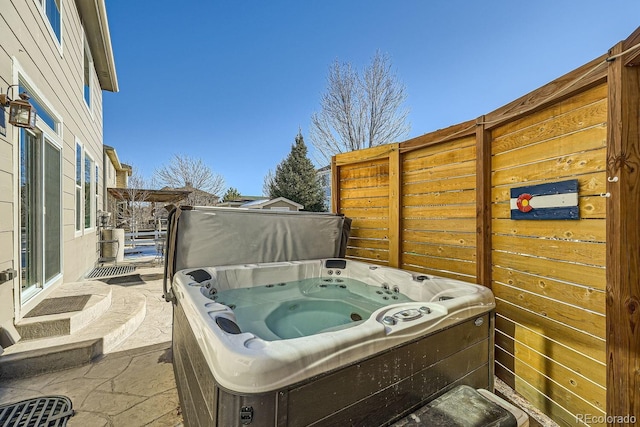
(305, 307)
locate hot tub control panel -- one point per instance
(397, 318)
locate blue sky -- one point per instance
(231, 81)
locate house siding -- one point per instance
(281, 204)
(28, 47)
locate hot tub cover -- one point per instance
(210, 236)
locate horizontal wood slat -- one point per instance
(446, 224)
(578, 295)
(570, 315)
(562, 250)
(431, 186)
(587, 275)
(433, 158)
(440, 237)
(440, 273)
(590, 231)
(443, 251)
(465, 267)
(560, 168)
(581, 118)
(592, 138)
(355, 193)
(586, 97)
(440, 198)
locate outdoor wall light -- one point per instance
(21, 113)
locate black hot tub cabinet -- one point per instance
(371, 372)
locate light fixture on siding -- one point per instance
(21, 113)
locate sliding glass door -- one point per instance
(40, 212)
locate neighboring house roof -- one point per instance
(253, 203)
(115, 161)
(237, 202)
(261, 204)
(94, 19)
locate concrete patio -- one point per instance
(133, 383)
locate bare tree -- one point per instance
(136, 210)
(359, 111)
(268, 182)
(191, 173)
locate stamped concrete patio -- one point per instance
(132, 385)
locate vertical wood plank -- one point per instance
(395, 188)
(335, 186)
(623, 239)
(483, 203)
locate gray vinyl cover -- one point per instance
(210, 237)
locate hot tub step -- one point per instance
(464, 405)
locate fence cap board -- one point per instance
(366, 154)
(589, 75)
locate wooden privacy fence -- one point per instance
(567, 291)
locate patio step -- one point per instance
(51, 325)
(98, 336)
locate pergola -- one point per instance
(151, 196)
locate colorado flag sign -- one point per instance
(558, 200)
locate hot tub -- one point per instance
(324, 342)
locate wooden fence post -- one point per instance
(623, 236)
(483, 203)
(335, 186)
(395, 206)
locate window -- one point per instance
(52, 11)
(96, 185)
(42, 113)
(88, 191)
(78, 187)
(88, 68)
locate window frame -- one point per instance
(88, 71)
(97, 178)
(88, 187)
(43, 136)
(79, 207)
(44, 6)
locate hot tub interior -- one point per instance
(304, 307)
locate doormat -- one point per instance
(100, 272)
(131, 279)
(59, 305)
(50, 411)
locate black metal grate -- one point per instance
(111, 271)
(49, 411)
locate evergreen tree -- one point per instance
(231, 195)
(296, 179)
